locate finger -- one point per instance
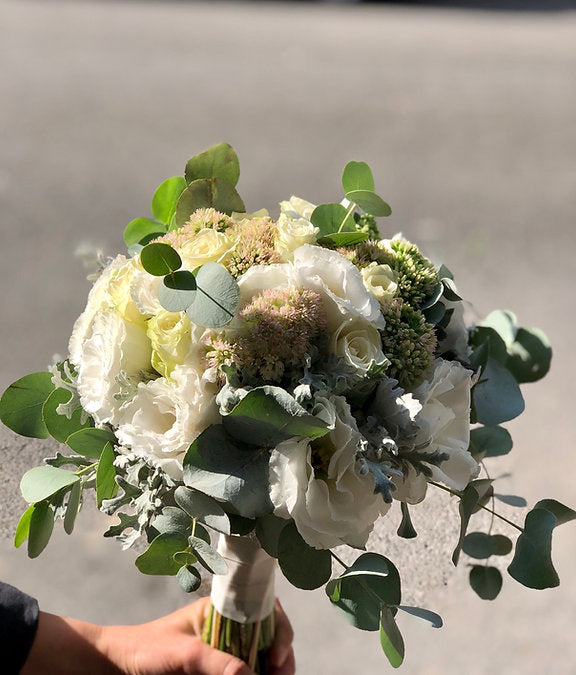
(287, 668)
(208, 661)
(282, 645)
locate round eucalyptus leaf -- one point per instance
(207, 193)
(357, 176)
(90, 442)
(159, 556)
(331, 218)
(343, 238)
(208, 556)
(218, 161)
(59, 426)
(486, 581)
(177, 291)
(166, 197)
(189, 578)
(370, 202)
(217, 298)
(140, 229)
(22, 403)
(497, 396)
(530, 355)
(303, 566)
(160, 259)
(106, 486)
(491, 441)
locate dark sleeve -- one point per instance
(18, 624)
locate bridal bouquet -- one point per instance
(279, 384)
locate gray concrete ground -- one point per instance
(467, 119)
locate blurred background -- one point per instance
(466, 114)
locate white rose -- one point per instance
(144, 291)
(339, 283)
(115, 347)
(359, 344)
(444, 425)
(294, 228)
(206, 246)
(380, 281)
(339, 505)
(166, 416)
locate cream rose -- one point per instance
(166, 416)
(207, 246)
(444, 426)
(169, 334)
(319, 485)
(294, 226)
(380, 281)
(359, 344)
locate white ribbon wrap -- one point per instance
(246, 593)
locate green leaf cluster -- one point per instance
(339, 224)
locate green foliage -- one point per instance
(342, 239)
(370, 202)
(304, 567)
(216, 193)
(90, 442)
(73, 507)
(486, 581)
(106, 486)
(224, 469)
(165, 199)
(42, 482)
(23, 527)
(497, 397)
(532, 563)
(468, 503)
(141, 230)
(173, 519)
(491, 441)
(189, 578)
(357, 176)
(268, 415)
(21, 405)
(218, 161)
(203, 508)
(177, 291)
(159, 556)
(160, 259)
(216, 299)
(391, 638)
(59, 426)
(268, 530)
(332, 218)
(207, 556)
(40, 530)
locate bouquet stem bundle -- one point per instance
(241, 616)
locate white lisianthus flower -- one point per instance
(318, 483)
(262, 277)
(444, 425)
(339, 283)
(166, 416)
(380, 281)
(359, 344)
(114, 348)
(207, 246)
(98, 299)
(294, 226)
(456, 332)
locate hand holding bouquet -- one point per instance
(280, 383)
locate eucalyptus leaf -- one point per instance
(23, 527)
(268, 530)
(90, 442)
(450, 292)
(218, 161)
(158, 557)
(166, 197)
(532, 563)
(216, 300)
(240, 525)
(208, 556)
(42, 482)
(216, 193)
(563, 514)
(227, 471)
(497, 396)
(202, 507)
(530, 355)
(40, 531)
(486, 581)
(72, 507)
(343, 238)
(468, 503)
(390, 638)
(140, 229)
(106, 486)
(189, 578)
(21, 405)
(59, 426)
(490, 441)
(304, 566)
(160, 259)
(177, 291)
(504, 323)
(369, 202)
(357, 176)
(332, 218)
(173, 519)
(268, 415)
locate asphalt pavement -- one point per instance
(467, 119)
